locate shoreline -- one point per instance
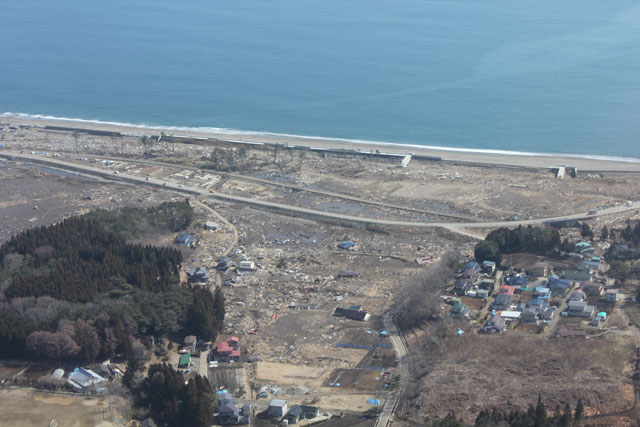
(487, 157)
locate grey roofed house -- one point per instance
(81, 379)
(185, 239)
(548, 313)
(351, 314)
(228, 412)
(577, 275)
(502, 302)
(294, 414)
(462, 286)
(310, 412)
(198, 275)
(580, 309)
(529, 315)
(495, 324)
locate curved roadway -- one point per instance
(457, 227)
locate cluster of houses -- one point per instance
(506, 307)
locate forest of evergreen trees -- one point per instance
(75, 292)
(173, 402)
(537, 240)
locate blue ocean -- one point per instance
(543, 76)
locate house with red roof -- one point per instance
(226, 351)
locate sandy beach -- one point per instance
(583, 163)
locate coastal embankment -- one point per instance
(487, 158)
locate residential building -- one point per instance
(310, 412)
(82, 379)
(580, 309)
(199, 275)
(530, 315)
(294, 414)
(592, 289)
(462, 286)
(578, 275)
(578, 295)
(502, 302)
(185, 239)
(494, 325)
(190, 342)
(488, 266)
(459, 310)
(226, 351)
(228, 412)
(612, 295)
(277, 408)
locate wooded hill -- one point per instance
(74, 291)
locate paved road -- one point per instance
(300, 211)
(401, 351)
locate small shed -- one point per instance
(185, 360)
(612, 295)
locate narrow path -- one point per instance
(393, 398)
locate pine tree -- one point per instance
(604, 235)
(579, 410)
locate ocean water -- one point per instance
(542, 76)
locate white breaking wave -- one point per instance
(237, 132)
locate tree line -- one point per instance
(534, 416)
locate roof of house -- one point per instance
(506, 314)
(278, 403)
(503, 299)
(85, 377)
(507, 290)
(185, 359)
(190, 339)
(295, 410)
(185, 238)
(541, 265)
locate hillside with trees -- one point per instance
(77, 292)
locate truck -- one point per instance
(629, 203)
(592, 212)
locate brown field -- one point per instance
(358, 379)
(27, 407)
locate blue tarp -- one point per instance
(346, 244)
(373, 401)
(356, 346)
